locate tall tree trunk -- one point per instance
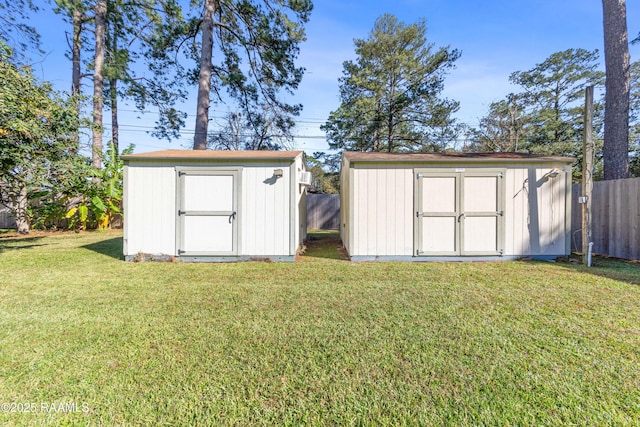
(115, 131)
(76, 46)
(390, 131)
(204, 79)
(113, 86)
(98, 83)
(21, 210)
(616, 110)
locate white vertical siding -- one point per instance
(382, 212)
(377, 210)
(150, 210)
(535, 212)
(346, 206)
(516, 212)
(552, 213)
(265, 210)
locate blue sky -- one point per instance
(495, 38)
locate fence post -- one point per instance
(587, 177)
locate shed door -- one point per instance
(208, 212)
(437, 216)
(459, 213)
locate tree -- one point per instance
(116, 61)
(503, 128)
(135, 64)
(554, 103)
(634, 121)
(134, 70)
(262, 130)
(265, 34)
(164, 85)
(232, 136)
(78, 19)
(616, 112)
(15, 32)
(100, 17)
(97, 202)
(34, 137)
(204, 76)
(547, 116)
(390, 95)
(554, 98)
(76, 12)
(324, 172)
(270, 129)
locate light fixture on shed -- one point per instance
(552, 173)
(278, 173)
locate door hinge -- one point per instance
(500, 175)
(180, 251)
(182, 213)
(501, 213)
(181, 173)
(417, 214)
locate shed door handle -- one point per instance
(461, 216)
(232, 217)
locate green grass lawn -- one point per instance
(318, 342)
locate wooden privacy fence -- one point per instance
(615, 212)
(323, 211)
(6, 219)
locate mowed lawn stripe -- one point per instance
(320, 341)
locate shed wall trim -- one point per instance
(533, 204)
(267, 217)
(223, 221)
(293, 202)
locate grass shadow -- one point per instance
(611, 268)
(324, 244)
(14, 242)
(110, 247)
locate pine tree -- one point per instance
(390, 95)
(249, 47)
(617, 86)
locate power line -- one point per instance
(309, 120)
(141, 128)
(148, 129)
(300, 121)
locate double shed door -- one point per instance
(460, 212)
(207, 217)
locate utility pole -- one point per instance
(587, 177)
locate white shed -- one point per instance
(455, 206)
(191, 205)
